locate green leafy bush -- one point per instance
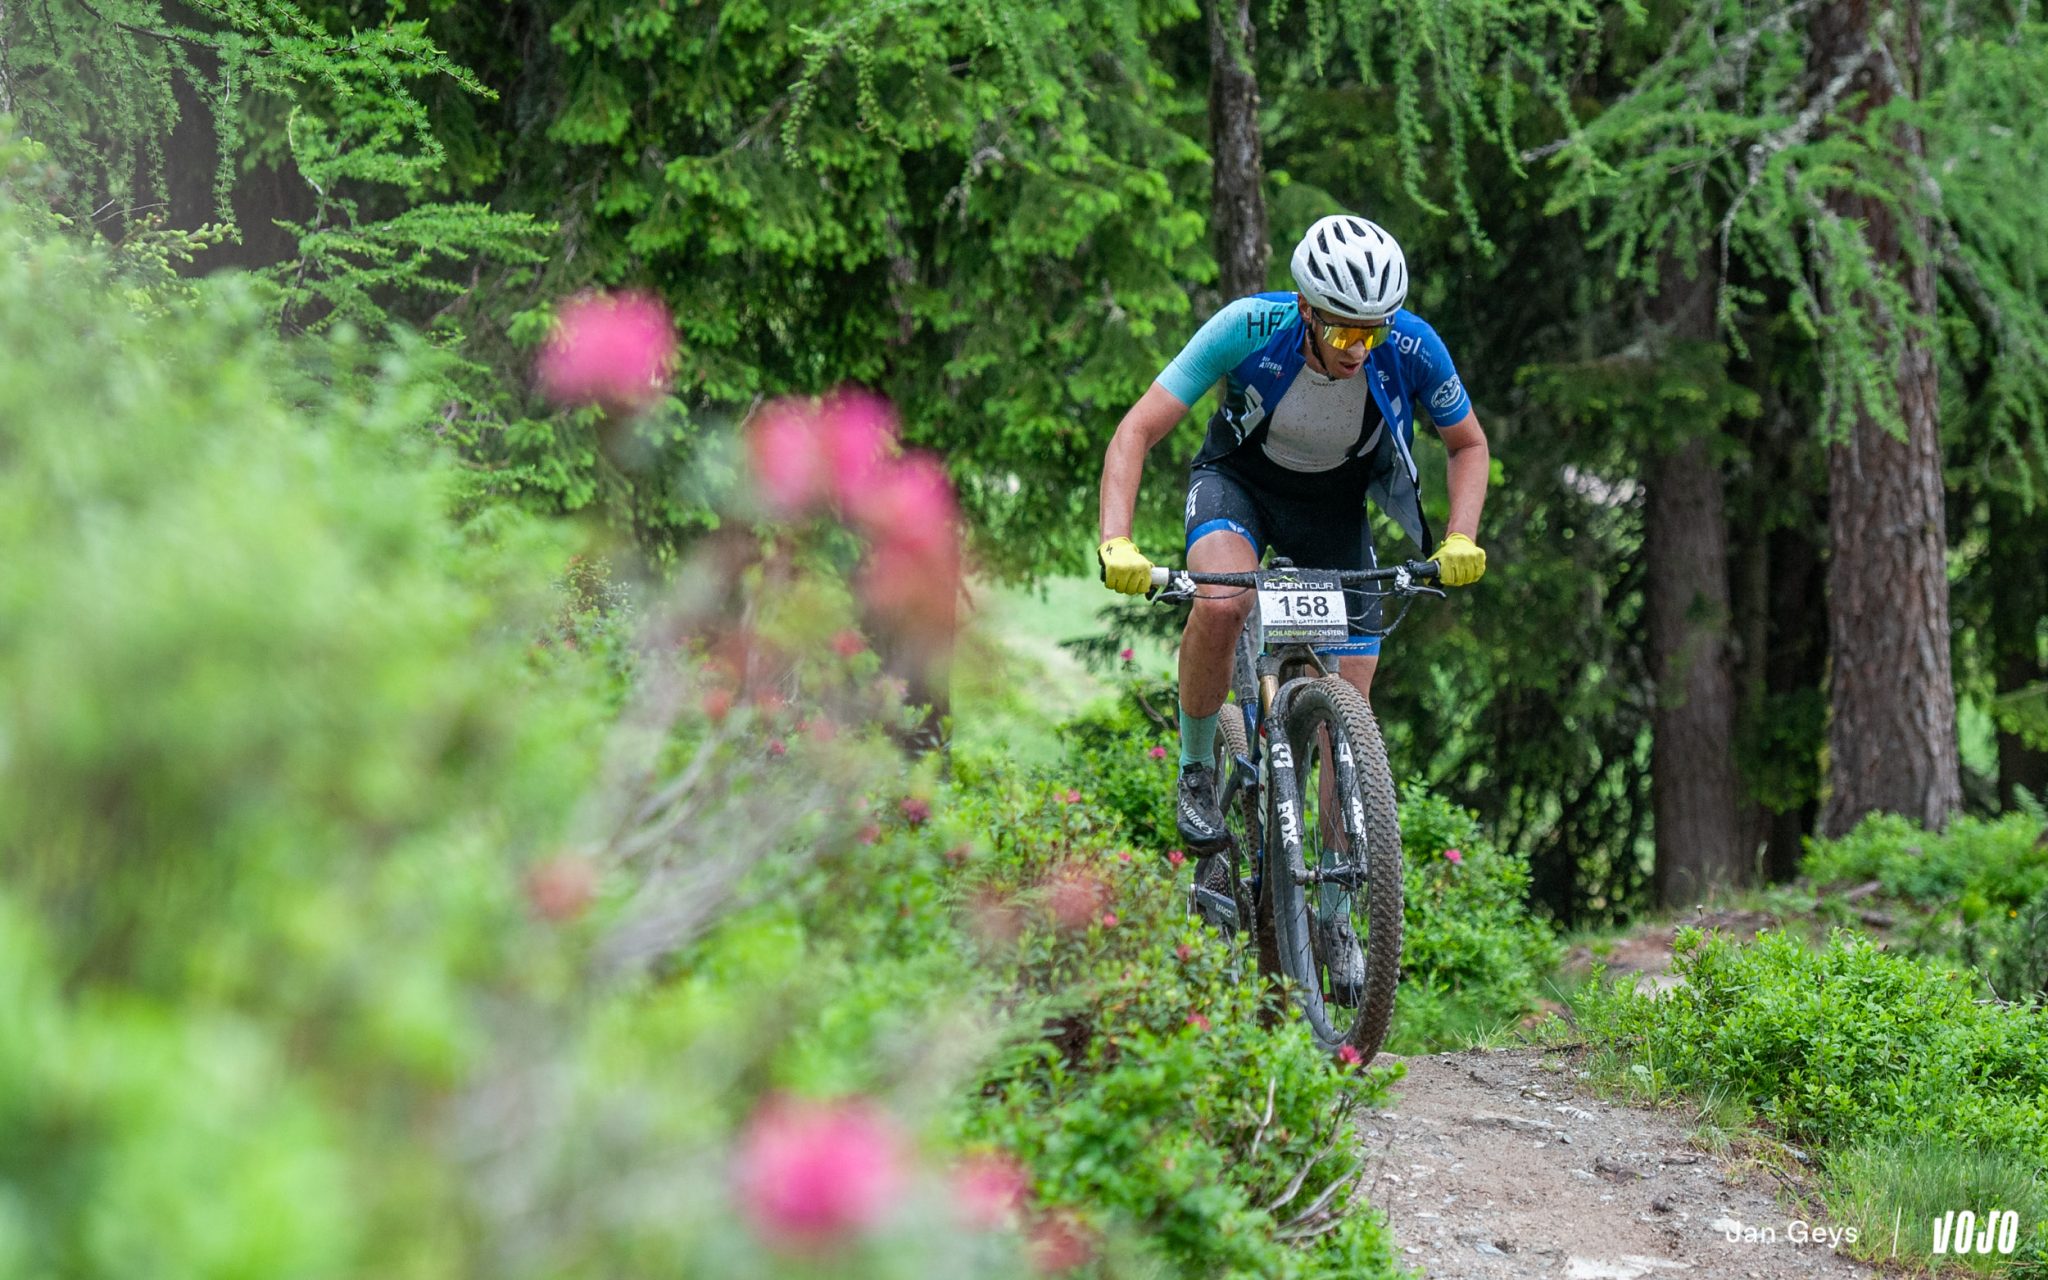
(1840, 1043)
(1975, 894)
(1472, 953)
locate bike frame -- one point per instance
(1279, 671)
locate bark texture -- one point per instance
(1892, 710)
(1237, 219)
(1694, 788)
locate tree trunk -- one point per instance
(1693, 783)
(1892, 710)
(6, 77)
(2019, 600)
(1237, 218)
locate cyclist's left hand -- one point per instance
(1460, 562)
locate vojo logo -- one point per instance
(1961, 1232)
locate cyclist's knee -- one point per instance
(1225, 612)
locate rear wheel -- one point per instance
(1339, 939)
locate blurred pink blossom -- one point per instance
(1200, 1023)
(613, 350)
(1109, 919)
(916, 810)
(1183, 953)
(1071, 797)
(789, 469)
(561, 888)
(812, 1173)
(1075, 893)
(1349, 1055)
(1452, 855)
(856, 436)
(1125, 655)
(1175, 857)
(1058, 1243)
(1158, 753)
(989, 1189)
(848, 642)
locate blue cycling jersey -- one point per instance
(1256, 345)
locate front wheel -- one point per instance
(1332, 810)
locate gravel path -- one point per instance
(1495, 1166)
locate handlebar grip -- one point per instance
(1161, 575)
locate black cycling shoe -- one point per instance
(1196, 813)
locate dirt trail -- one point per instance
(1498, 1166)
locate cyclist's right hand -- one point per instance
(1123, 568)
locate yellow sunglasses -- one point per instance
(1344, 336)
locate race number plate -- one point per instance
(1302, 607)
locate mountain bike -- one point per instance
(1311, 868)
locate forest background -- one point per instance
(444, 829)
(1746, 295)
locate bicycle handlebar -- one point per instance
(1165, 577)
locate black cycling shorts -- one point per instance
(1316, 519)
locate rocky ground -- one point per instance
(1498, 1165)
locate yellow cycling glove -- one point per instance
(1123, 569)
(1459, 561)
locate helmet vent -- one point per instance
(1358, 277)
(1323, 240)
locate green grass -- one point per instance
(1883, 1186)
(1016, 684)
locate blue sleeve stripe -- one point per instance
(1208, 527)
(1221, 345)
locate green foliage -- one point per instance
(1840, 1044)
(1463, 68)
(1145, 1081)
(1975, 894)
(1110, 748)
(102, 88)
(1472, 954)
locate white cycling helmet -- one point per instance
(1351, 267)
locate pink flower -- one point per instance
(848, 642)
(560, 889)
(1125, 655)
(1124, 856)
(1071, 797)
(1452, 855)
(1109, 919)
(1075, 894)
(1198, 1022)
(614, 350)
(1058, 1243)
(869, 833)
(789, 469)
(1175, 857)
(717, 704)
(1183, 953)
(812, 1173)
(909, 499)
(777, 748)
(989, 1190)
(916, 810)
(1349, 1055)
(1158, 753)
(857, 433)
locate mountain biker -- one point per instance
(1315, 378)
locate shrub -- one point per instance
(1472, 952)
(1841, 1043)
